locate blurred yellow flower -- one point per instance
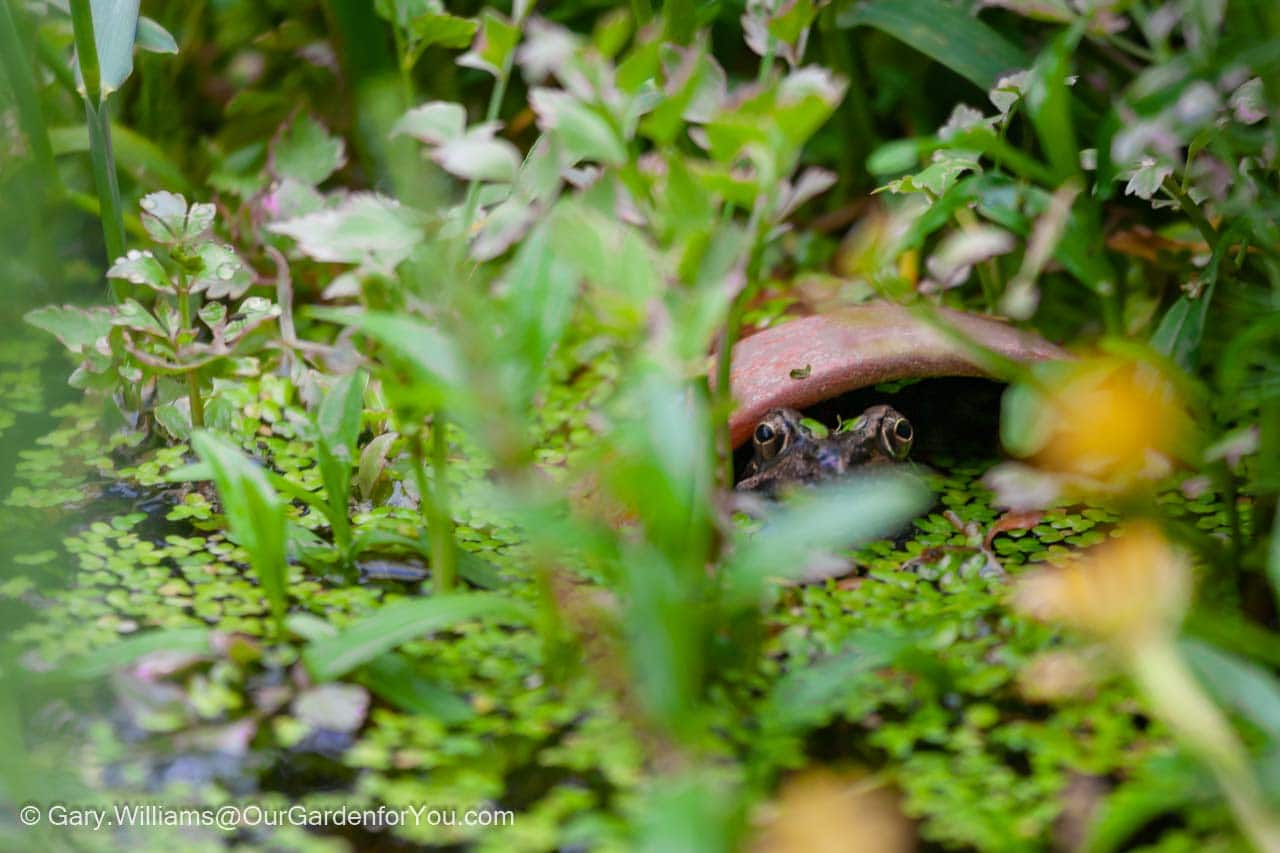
(820, 811)
(1060, 674)
(1111, 419)
(1126, 591)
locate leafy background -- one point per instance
(392, 472)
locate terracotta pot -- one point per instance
(857, 347)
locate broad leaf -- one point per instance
(168, 219)
(77, 328)
(478, 156)
(435, 123)
(307, 152)
(141, 267)
(584, 132)
(493, 45)
(364, 228)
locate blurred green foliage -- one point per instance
(478, 465)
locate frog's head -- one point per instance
(880, 434)
(779, 432)
(786, 452)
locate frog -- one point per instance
(786, 452)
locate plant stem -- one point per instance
(1174, 694)
(433, 507)
(473, 189)
(766, 61)
(98, 117)
(1192, 212)
(732, 327)
(442, 544)
(104, 179)
(86, 50)
(193, 375)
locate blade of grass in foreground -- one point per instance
(255, 514)
(333, 657)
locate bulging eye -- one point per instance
(895, 437)
(770, 439)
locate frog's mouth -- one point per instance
(830, 461)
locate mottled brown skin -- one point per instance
(785, 452)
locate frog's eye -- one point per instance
(769, 440)
(896, 436)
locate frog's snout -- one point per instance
(830, 460)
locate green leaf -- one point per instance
(115, 28)
(76, 328)
(396, 679)
(213, 314)
(1166, 785)
(1048, 103)
(791, 20)
(154, 38)
(365, 228)
(539, 303)
(1244, 687)
(478, 156)
(493, 45)
(254, 513)
(808, 696)
(432, 354)
(394, 624)
(141, 267)
(944, 32)
(169, 220)
(307, 152)
(221, 274)
(339, 414)
(435, 123)
(438, 28)
(373, 462)
(132, 315)
(1181, 329)
(584, 133)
